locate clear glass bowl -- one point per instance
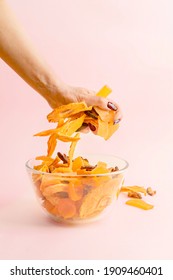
(78, 198)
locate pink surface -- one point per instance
(127, 45)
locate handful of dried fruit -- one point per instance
(86, 196)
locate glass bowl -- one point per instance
(75, 198)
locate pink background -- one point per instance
(127, 45)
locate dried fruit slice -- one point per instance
(66, 208)
(139, 203)
(66, 138)
(111, 129)
(72, 149)
(106, 116)
(134, 189)
(49, 207)
(97, 199)
(102, 128)
(66, 111)
(50, 190)
(51, 144)
(104, 91)
(75, 191)
(77, 163)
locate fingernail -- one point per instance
(117, 121)
(111, 106)
(92, 127)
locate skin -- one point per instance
(18, 52)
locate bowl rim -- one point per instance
(28, 167)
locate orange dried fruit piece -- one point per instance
(102, 128)
(48, 181)
(50, 190)
(62, 169)
(111, 130)
(72, 126)
(72, 149)
(77, 163)
(139, 203)
(51, 144)
(66, 138)
(104, 91)
(49, 207)
(106, 116)
(100, 168)
(133, 189)
(46, 132)
(75, 191)
(96, 200)
(66, 111)
(66, 208)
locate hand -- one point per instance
(68, 94)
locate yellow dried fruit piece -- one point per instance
(139, 203)
(96, 200)
(104, 91)
(72, 126)
(66, 138)
(133, 189)
(106, 116)
(50, 190)
(65, 111)
(75, 191)
(46, 132)
(45, 159)
(72, 149)
(102, 128)
(51, 144)
(77, 163)
(62, 169)
(111, 129)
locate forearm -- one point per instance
(17, 51)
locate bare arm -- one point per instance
(18, 52)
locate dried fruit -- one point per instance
(139, 203)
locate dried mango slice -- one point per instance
(50, 190)
(96, 200)
(51, 144)
(139, 203)
(111, 129)
(48, 181)
(77, 163)
(134, 189)
(104, 91)
(72, 149)
(65, 111)
(106, 116)
(46, 159)
(75, 191)
(66, 138)
(101, 168)
(62, 169)
(46, 132)
(49, 207)
(66, 208)
(102, 128)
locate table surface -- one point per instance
(26, 233)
